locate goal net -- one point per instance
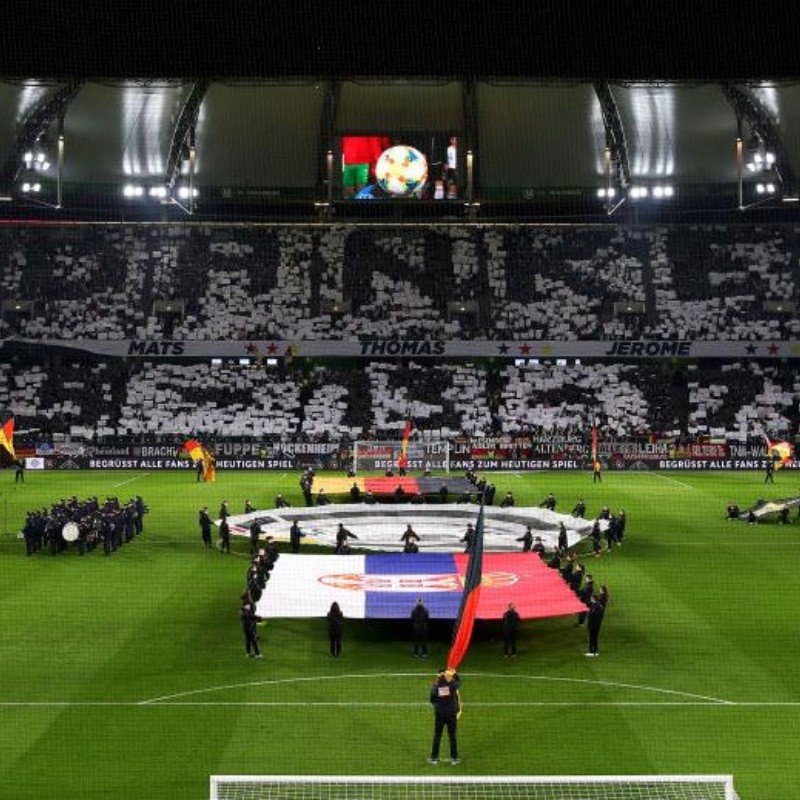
(618, 787)
(422, 455)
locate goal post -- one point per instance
(432, 454)
(501, 787)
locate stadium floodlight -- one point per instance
(658, 192)
(484, 787)
(184, 193)
(158, 192)
(760, 188)
(26, 187)
(770, 188)
(669, 191)
(637, 192)
(131, 190)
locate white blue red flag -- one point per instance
(386, 586)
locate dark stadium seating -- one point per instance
(311, 282)
(345, 282)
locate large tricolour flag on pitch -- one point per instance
(387, 585)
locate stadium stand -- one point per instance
(133, 401)
(335, 282)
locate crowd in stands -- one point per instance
(344, 282)
(135, 401)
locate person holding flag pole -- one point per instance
(402, 461)
(445, 694)
(778, 455)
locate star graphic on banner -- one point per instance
(795, 349)
(547, 350)
(272, 349)
(503, 348)
(751, 349)
(252, 349)
(773, 349)
(525, 349)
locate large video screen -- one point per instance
(417, 166)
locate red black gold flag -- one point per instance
(402, 461)
(465, 621)
(780, 453)
(7, 453)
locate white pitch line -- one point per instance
(130, 480)
(355, 676)
(673, 480)
(649, 704)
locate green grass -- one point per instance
(701, 608)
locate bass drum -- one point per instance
(70, 532)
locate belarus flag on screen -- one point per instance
(386, 586)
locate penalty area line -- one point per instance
(130, 480)
(672, 480)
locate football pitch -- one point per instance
(125, 677)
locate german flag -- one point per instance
(780, 453)
(7, 454)
(402, 461)
(196, 450)
(462, 633)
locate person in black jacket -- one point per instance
(295, 535)
(580, 509)
(249, 620)
(597, 610)
(419, 623)
(205, 526)
(585, 595)
(549, 502)
(224, 537)
(508, 501)
(527, 540)
(563, 541)
(446, 702)
(510, 630)
(468, 538)
(342, 535)
(409, 535)
(335, 626)
(255, 531)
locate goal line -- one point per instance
(501, 787)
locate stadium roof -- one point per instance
(537, 91)
(259, 138)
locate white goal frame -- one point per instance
(421, 454)
(725, 782)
